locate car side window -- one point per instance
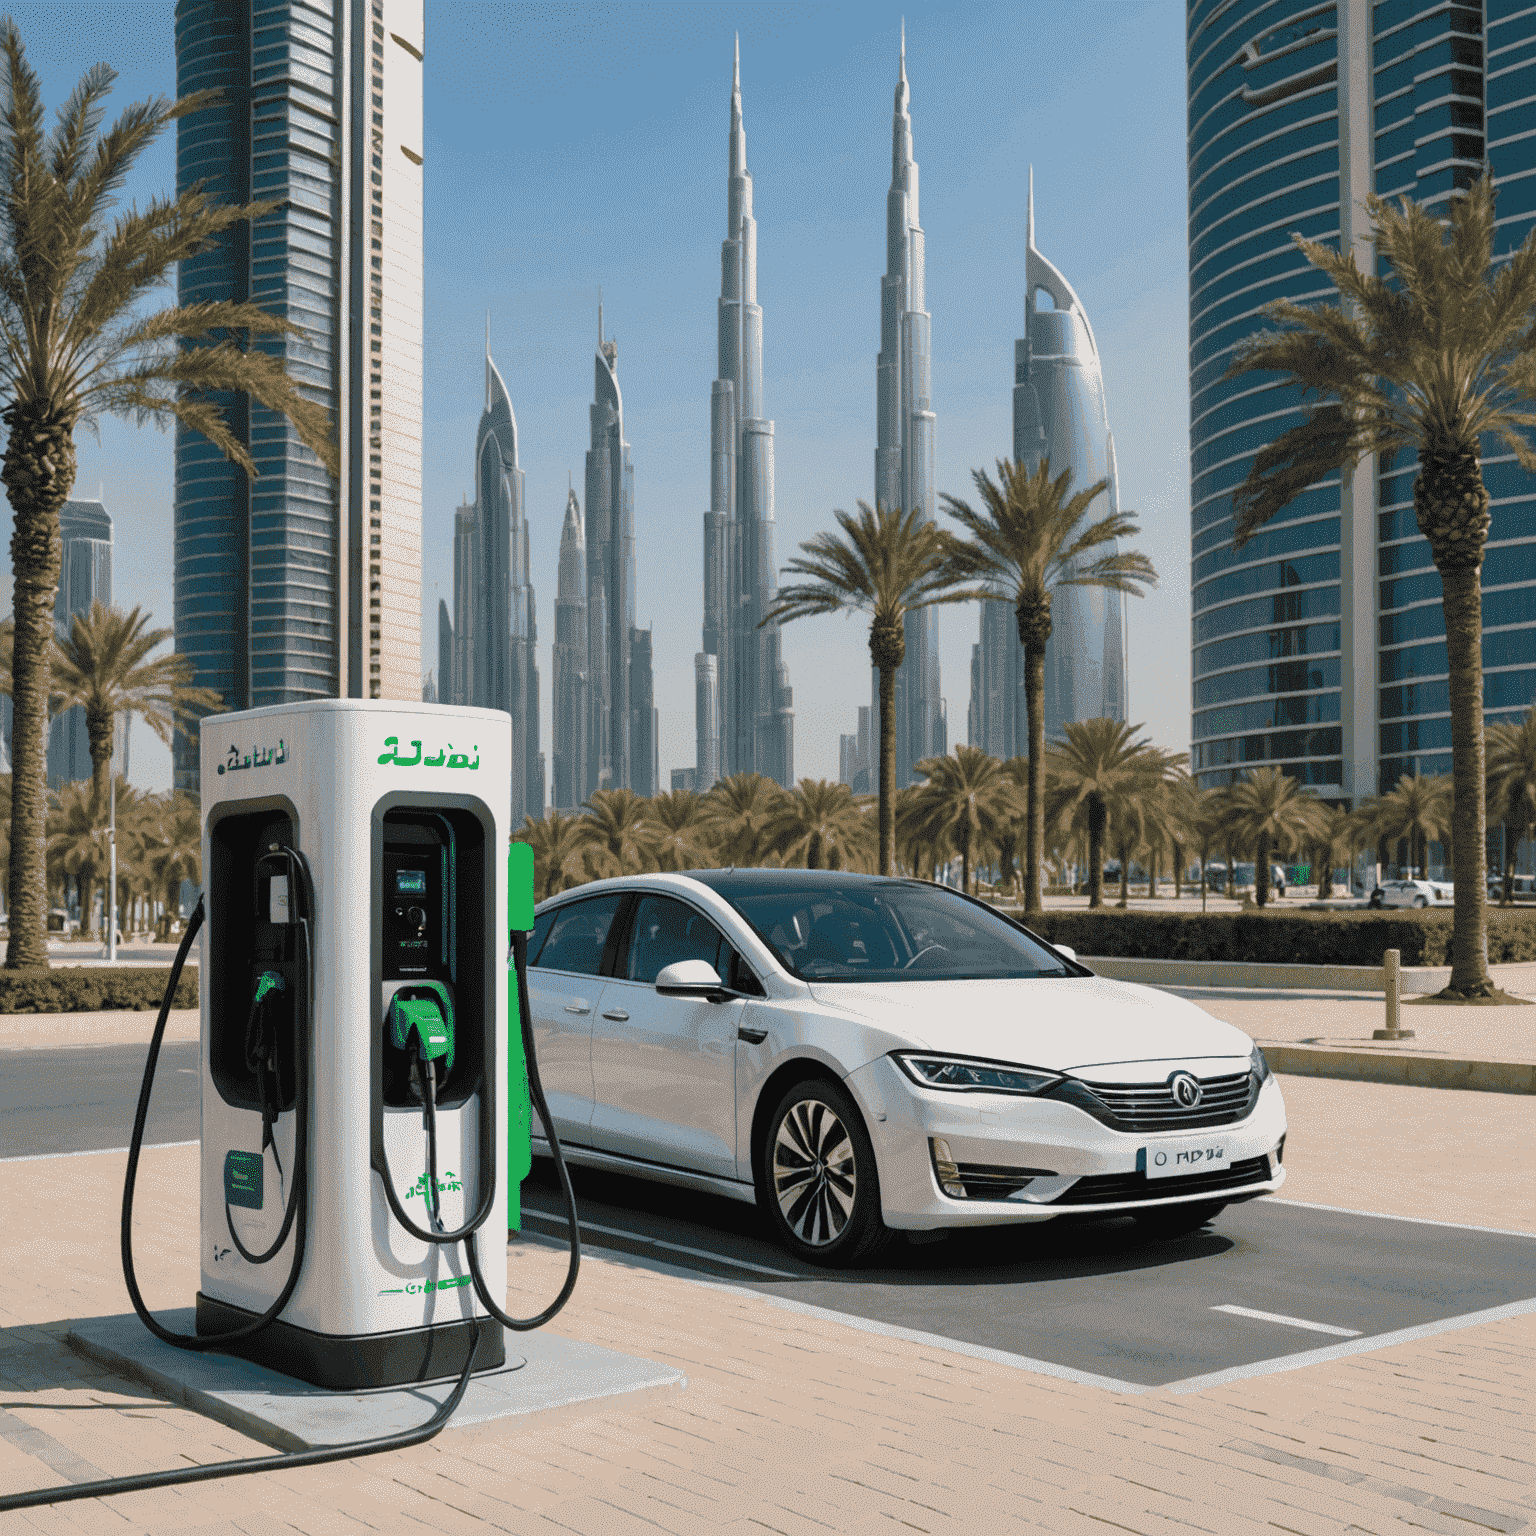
(665, 931)
(578, 934)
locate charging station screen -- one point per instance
(410, 882)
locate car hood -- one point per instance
(1060, 1024)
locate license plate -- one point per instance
(1170, 1159)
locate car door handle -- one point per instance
(577, 1008)
(617, 1015)
(751, 1036)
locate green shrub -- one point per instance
(93, 988)
(1282, 938)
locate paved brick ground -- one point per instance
(805, 1426)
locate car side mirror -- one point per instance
(690, 978)
(1067, 950)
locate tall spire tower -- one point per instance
(904, 432)
(743, 701)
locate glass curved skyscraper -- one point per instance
(1058, 414)
(1319, 647)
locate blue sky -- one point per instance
(582, 145)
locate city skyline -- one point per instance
(822, 328)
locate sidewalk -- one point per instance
(801, 1424)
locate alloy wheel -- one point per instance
(815, 1176)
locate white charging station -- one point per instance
(401, 813)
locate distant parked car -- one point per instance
(1524, 888)
(1413, 893)
(1247, 875)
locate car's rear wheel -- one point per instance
(1177, 1220)
(1420, 901)
(817, 1178)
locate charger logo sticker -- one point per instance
(445, 757)
(243, 1179)
(448, 1184)
(426, 1287)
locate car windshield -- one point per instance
(889, 931)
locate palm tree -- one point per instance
(1335, 827)
(820, 825)
(74, 346)
(77, 841)
(1026, 544)
(1512, 775)
(1430, 359)
(1206, 817)
(1016, 771)
(1418, 808)
(964, 799)
(1099, 775)
(1271, 813)
(678, 820)
(738, 811)
(105, 667)
(173, 852)
(617, 830)
(563, 852)
(886, 564)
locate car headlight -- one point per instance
(972, 1074)
(1259, 1066)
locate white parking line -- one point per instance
(656, 1242)
(1291, 1322)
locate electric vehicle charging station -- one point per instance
(361, 899)
(401, 812)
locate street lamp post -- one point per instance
(112, 850)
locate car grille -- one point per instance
(1112, 1188)
(1151, 1106)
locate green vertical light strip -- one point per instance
(519, 1110)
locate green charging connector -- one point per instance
(424, 1009)
(269, 981)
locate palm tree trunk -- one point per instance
(1125, 874)
(98, 734)
(887, 816)
(39, 472)
(1034, 802)
(1097, 817)
(1178, 871)
(1261, 873)
(1511, 853)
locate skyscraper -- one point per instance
(494, 636)
(85, 577)
(293, 585)
(1319, 646)
(616, 735)
(571, 713)
(1058, 413)
(904, 435)
(745, 711)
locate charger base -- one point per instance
(355, 1362)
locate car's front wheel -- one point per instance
(1177, 1220)
(817, 1179)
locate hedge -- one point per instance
(1281, 938)
(93, 988)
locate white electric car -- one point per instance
(862, 1056)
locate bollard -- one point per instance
(1391, 964)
